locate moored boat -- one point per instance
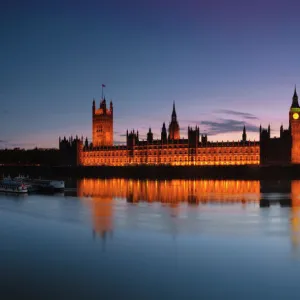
(22, 180)
(10, 186)
(57, 185)
(41, 185)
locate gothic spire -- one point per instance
(174, 117)
(295, 103)
(244, 135)
(94, 107)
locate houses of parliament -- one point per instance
(171, 149)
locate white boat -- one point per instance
(56, 185)
(10, 186)
(26, 182)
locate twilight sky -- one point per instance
(224, 63)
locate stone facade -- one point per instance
(170, 149)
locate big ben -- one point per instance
(294, 121)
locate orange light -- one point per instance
(173, 191)
(203, 156)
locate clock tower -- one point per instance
(102, 124)
(294, 121)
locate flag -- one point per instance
(103, 85)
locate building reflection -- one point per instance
(101, 207)
(173, 191)
(289, 195)
(100, 194)
(295, 212)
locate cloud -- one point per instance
(183, 129)
(21, 145)
(227, 125)
(236, 113)
(5, 112)
(145, 127)
(142, 136)
(11, 145)
(119, 143)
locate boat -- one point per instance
(44, 188)
(10, 186)
(57, 185)
(42, 185)
(25, 180)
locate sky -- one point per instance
(226, 64)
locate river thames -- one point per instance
(129, 239)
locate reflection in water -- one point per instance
(187, 238)
(174, 192)
(102, 208)
(295, 212)
(288, 197)
(102, 216)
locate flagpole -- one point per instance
(102, 91)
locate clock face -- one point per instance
(295, 116)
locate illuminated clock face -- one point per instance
(295, 116)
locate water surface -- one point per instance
(126, 239)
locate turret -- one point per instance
(132, 138)
(149, 136)
(265, 134)
(295, 103)
(86, 143)
(204, 139)
(193, 137)
(94, 107)
(174, 126)
(244, 136)
(164, 133)
(174, 116)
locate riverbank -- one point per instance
(159, 172)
